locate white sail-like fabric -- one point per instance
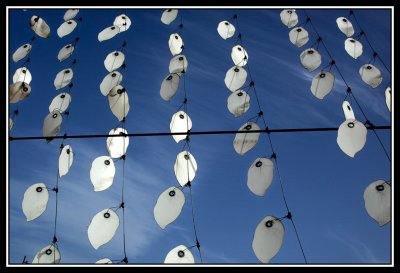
(244, 142)
(377, 201)
(175, 44)
(22, 75)
(122, 22)
(168, 16)
(118, 100)
(47, 255)
(345, 26)
(65, 52)
(185, 168)
(322, 84)
(353, 47)
(169, 206)
(238, 103)
(104, 261)
(70, 14)
(310, 59)
(298, 36)
(102, 173)
(180, 123)
(179, 255)
(226, 30)
(371, 75)
(52, 124)
(66, 28)
(388, 97)
(35, 201)
(235, 78)
(289, 17)
(169, 86)
(259, 175)
(178, 65)
(63, 78)
(108, 33)
(60, 102)
(21, 52)
(110, 81)
(102, 228)
(39, 26)
(18, 91)
(117, 146)
(65, 160)
(268, 238)
(352, 134)
(239, 55)
(114, 60)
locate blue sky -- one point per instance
(324, 187)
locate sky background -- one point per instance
(324, 187)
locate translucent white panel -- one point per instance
(347, 110)
(70, 14)
(66, 28)
(102, 228)
(178, 65)
(244, 142)
(118, 100)
(110, 81)
(322, 84)
(47, 255)
(65, 160)
(298, 36)
(238, 103)
(179, 255)
(102, 173)
(353, 47)
(239, 56)
(169, 86)
(371, 75)
(123, 22)
(175, 43)
(168, 207)
(22, 75)
(104, 261)
(259, 175)
(35, 201)
(21, 52)
(310, 59)
(114, 60)
(10, 124)
(180, 123)
(185, 168)
(377, 201)
(63, 78)
(65, 52)
(117, 146)
(226, 30)
(235, 78)
(60, 102)
(388, 96)
(352, 136)
(18, 91)
(39, 26)
(108, 33)
(345, 26)
(289, 17)
(52, 124)
(168, 16)
(268, 238)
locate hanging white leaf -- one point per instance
(310, 59)
(47, 255)
(377, 199)
(322, 84)
(65, 160)
(65, 52)
(52, 124)
(298, 36)
(169, 206)
(244, 142)
(118, 101)
(169, 86)
(60, 102)
(175, 44)
(35, 201)
(168, 16)
(108, 33)
(114, 60)
(104, 261)
(117, 146)
(102, 227)
(185, 168)
(238, 103)
(70, 14)
(66, 28)
(21, 52)
(102, 173)
(235, 78)
(388, 97)
(239, 56)
(22, 75)
(109, 82)
(122, 22)
(345, 26)
(289, 17)
(179, 255)
(226, 30)
(353, 47)
(371, 75)
(180, 123)
(39, 26)
(259, 175)
(63, 78)
(178, 65)
(18, 91)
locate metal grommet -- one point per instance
(226, 24)
(239, 48)
(344, 20)
(39, 189)
(113, 75)
(106, 215)
(248, 127)
(107, 162)
(369, 67)
(25, 89)
(269, 224)
(112, 28)
(172, 193)
(116, 53)
(23, 71)
(352, 41)
(123, 17)
(181, 254)
(380, 188)
(169, 78)
(69, 22)
(181, 116)
(62, 96)
(310, 51)
(289, 11)
(180, 58)
(68, 151)
(66, 71)
(258, 164)
(176, 37)
(350, 124)
(240, 94)
(322, 75)
(186, 156)
(55, 115)
(120, 91)
(299, 30)
(25, 46)
(48, 251)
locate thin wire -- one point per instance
(194, 224)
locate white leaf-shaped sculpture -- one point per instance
(289, 17)
(178, 65)
(65, 160)
(35, 201)
(226, 30)
(298, 36)
(371, 75)
(322, 84)
(310, 59)
(21, 52)
(235, 78)
(18, 91)
(259, 175)
(102, 173)
(175, 44)
(180, 123)
(179, 255)
(244, 142)
(239, 55)
(117, 146)
(70, 14)
(168, 207)
(39, 26)
(353, 47)
(114, 60)
(345, 26)
(108, 33)
(238, 103)
(185, 168)
(22, 75)
(66, 28)
(388, 97)
(47, 255)
(104, 261)
(268, 238)
(169, 86)
(102, 228)
(122, 22)
(110, 81)
(65, 52)
(63, 78)
(168, 16)
(377, 201)
(52, 124)
(10, 124)
(60, 102)
(118, 100)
